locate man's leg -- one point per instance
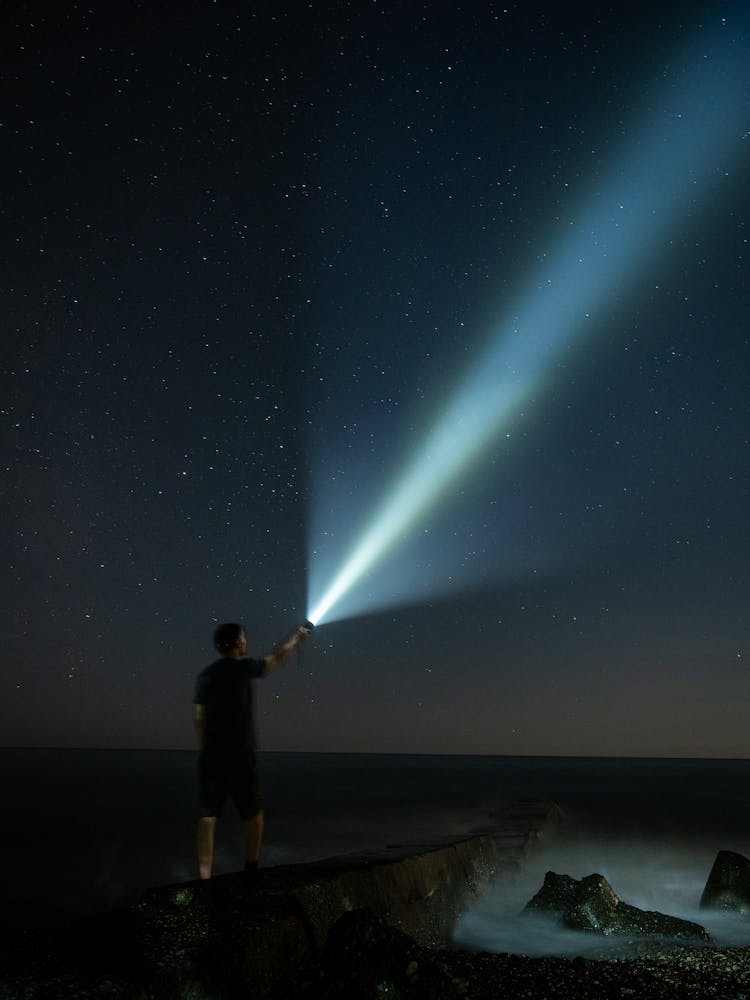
(253, 839)
(205, 845)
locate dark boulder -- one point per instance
(728, 885)
(591, 904)
(366, 958)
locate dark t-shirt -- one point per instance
(225, 689)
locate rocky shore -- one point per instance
(367, 959)
(679, 974)
(374, 927)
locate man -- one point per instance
(223, 716)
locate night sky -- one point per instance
(249, 251)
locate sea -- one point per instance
(86, 831)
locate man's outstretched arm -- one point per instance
(284, 650)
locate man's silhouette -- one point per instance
(223, 716)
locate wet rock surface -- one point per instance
(728, 885)
(591, 904)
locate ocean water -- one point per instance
(88, 830)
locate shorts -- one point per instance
(222, 774)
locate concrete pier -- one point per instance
(420, 888)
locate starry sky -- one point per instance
(247, 250)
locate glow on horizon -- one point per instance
(685, 143)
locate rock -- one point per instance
(728, 885)
(557, 895)
(591, 904)
(221, 947)
(368, 959)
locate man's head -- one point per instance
(230, 639)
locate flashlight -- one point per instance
(306, 627)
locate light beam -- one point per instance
(667, 171)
